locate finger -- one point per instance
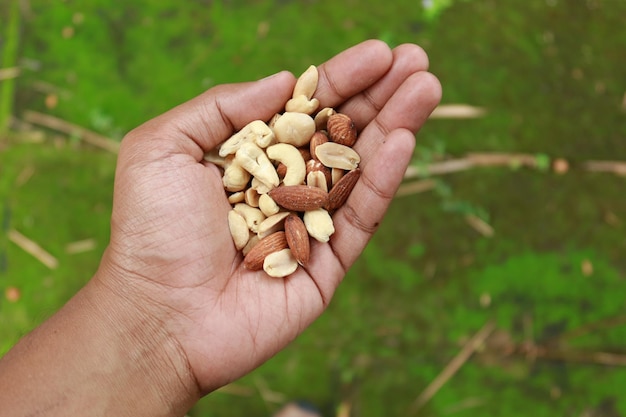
(407, 109)
(363, 107)
(386, 147)
(359, 218)
(351, 72)
(201, 123)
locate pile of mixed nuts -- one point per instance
(285, 178)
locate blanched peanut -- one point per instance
(267, 205)
(238, 229)
(319, 224)
(280, 264)
(334, 155)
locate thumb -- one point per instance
(203, 122)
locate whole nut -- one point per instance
(256, 132)
(299, 197)
(335, 155)
(291, 157)
(252, 215)
(280, 264)
(254, 160)
(294, 128)
(341, 129)
(317, 139)
(297, 238)
(339, 193)
(272, 243)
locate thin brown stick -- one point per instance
(68, 128)
(457, 111)
(8, 73)
(439, 168)
(33, 249)
(615, 167)
(415, 187)
(479, 225)
(453, 367)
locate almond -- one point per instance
(318, 138)
(273, 243)
(341, 129)
(299, 197)
(297, 238)
(312, 165)
(339, 193)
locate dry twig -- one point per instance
(68, 128)
(453, 367)
(8, 73)
(33, 248)
(457, 111)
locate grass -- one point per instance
(9, 60)
(552, 81)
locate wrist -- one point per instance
(100, 355)
(154, 373)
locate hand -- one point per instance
(171, 248)
(171, 313)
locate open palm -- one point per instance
(171, 250)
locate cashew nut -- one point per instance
(252, 215)
(256, 131)
(267, 205)
(254, 160)
(294, 128)
(235, 178)
(238, 229)
(291, 157)
(319, 224)
(335, 155)
(280, 264)
(214, 157)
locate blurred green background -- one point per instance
(534, 246)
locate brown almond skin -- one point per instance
(272, 243)
(299, 197)
(318, 138)
(340, 192)
(341, 129)
(297, 238)
(314, 165)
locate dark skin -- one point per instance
(172, 314)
